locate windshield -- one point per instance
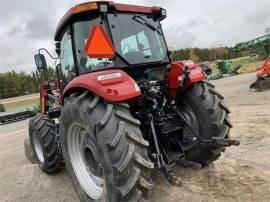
(137, 38)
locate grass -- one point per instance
(241, 61)
(21, 103)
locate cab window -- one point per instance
(137, 42)
(67, 60)
(81, 32)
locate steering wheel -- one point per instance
(133, 56)
(102, 64)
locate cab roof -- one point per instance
(94, 7)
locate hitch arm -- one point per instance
(166, 170)
(201, 140)
(225, 142)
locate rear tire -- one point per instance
(45, 148)
(211, 119)
(104, 151)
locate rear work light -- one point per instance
(109, 76)
(163, 14)
(103, 8)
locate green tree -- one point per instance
(15, 84)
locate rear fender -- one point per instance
(177, 69)
(112, 85)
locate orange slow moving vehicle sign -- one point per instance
(98, 44)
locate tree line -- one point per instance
(20, 83)
(211, 54)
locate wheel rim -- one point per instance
(83, 161)
(38, 148)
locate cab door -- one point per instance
(68, 69)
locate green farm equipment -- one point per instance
(263, 76)
(224, 68)
(17, 114)
(257, 43)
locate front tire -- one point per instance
(203, 106)
(104, 151)
(45, 148)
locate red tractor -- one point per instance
(121, 107)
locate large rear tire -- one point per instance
(45, 148)
(203, 106)
(104, 151)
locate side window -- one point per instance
(67, 60)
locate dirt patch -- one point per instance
(241, 174)
(250, 67)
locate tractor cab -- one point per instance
(104, 35)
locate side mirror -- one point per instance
(40, 62)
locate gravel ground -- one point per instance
(241, 174)
(20, 98)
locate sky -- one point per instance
(27, 25)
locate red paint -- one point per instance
(196, 74)
(43, 96)
(49, 87)
(265, 69)
(98, 44)
(115, 89)
(67, 18)
(134, 8)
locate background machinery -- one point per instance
(204, 65)
(2, 108)
(224, 68)
(263, 76)
(121, 107)
(15, 115)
